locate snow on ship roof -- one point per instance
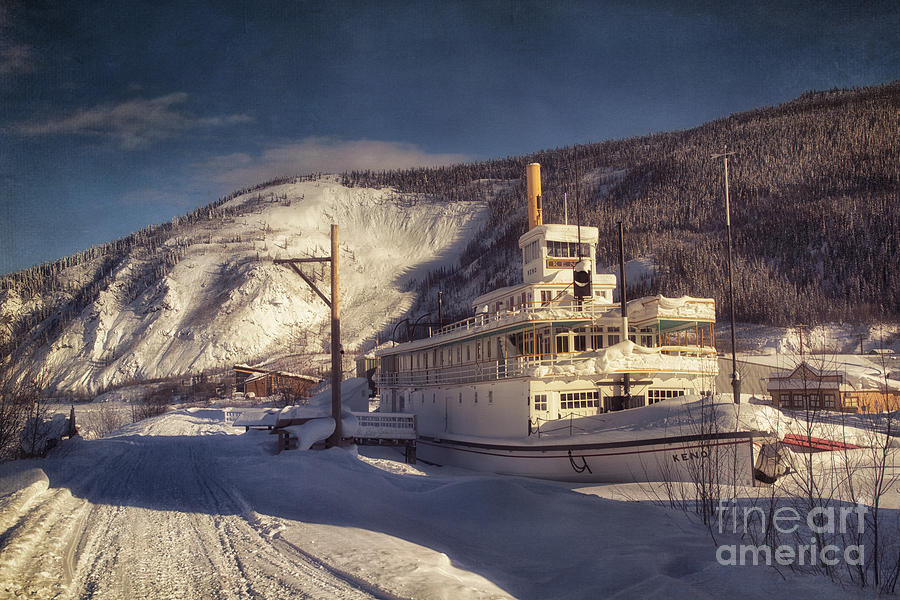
(661, 307)
(563, 233)
(628, 357)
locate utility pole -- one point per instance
(735, 376)
(623, 300)
(336, 349)
(334, 304)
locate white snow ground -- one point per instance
(184, 506)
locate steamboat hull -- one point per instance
(719, 458)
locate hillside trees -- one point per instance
(815, 198)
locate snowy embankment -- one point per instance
(226, 302)
(184, 505)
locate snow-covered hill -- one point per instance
(225, 301)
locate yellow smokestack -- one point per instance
(535, 206)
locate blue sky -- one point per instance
(116, 115)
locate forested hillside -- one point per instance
(815, 210)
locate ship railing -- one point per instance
(507, 368)
(587, 309)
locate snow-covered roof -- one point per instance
(685, 308)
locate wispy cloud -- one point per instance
(131, 124)
(318, 154)
(16, 58)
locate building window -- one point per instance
(798, 400)
(785, 400)
(829, 400)
(540, 402)
(576, 400)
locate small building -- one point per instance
(261, 382)
(807, 387)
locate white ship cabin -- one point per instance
(539, 351)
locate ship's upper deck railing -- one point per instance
(698, 360)
(550, 309)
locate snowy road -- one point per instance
(150, 516)
(183, 506)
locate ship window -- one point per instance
(546, 296)
(562, 343)
(488, 344)
(433, 397)
(574, 400)
(468, 352)
(460, 397)
(647, 341)
(566, 249)
(476, 396)
(477, 349)
(458, 353)
(613, 339)
(597, 339)
(532, 251)
(490, 396)
(655, 395)
(580, 340)
(540, 402)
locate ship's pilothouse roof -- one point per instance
(558, 232)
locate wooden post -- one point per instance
(336, 351)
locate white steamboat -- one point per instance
(550, 379)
